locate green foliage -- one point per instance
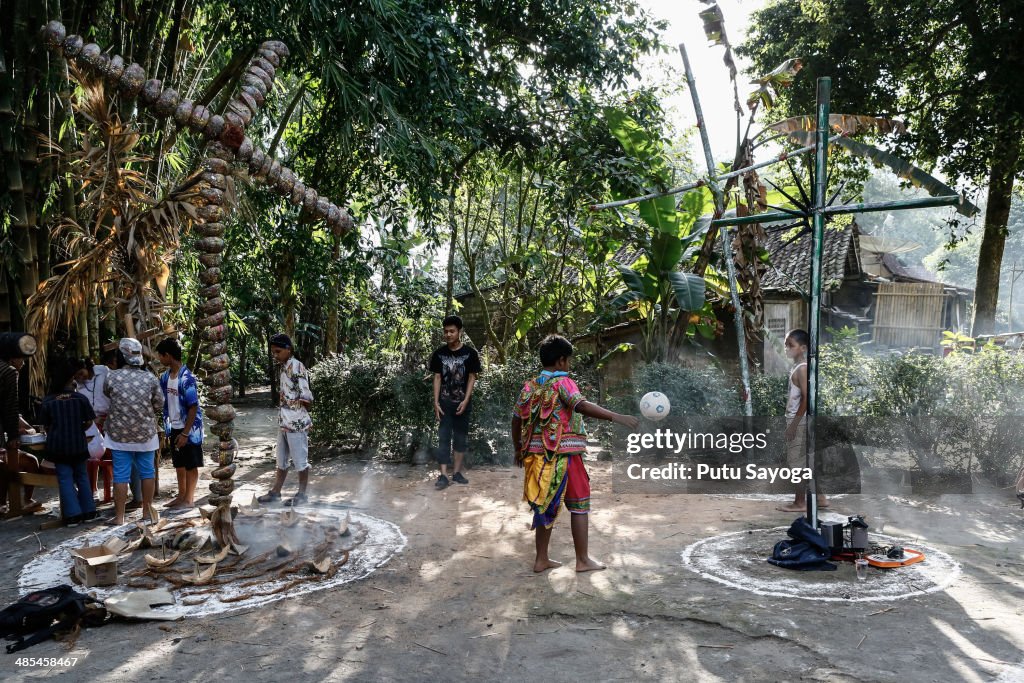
(953, 78)
(768, 394)
(656, 289)
(706, 391)
(370, 403)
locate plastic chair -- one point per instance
(107, 466)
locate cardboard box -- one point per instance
(96, 565)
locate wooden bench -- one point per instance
(15, 482)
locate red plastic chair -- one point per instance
(106, 464)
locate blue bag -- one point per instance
(805, 549)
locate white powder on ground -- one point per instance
(738, 560)
(383, 540)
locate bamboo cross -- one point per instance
(227, 144)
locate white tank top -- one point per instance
(795, 394)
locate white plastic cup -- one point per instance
(862, 569)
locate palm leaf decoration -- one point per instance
(119, 241)
(845, 124)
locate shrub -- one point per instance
(364, 402)
(691, 391)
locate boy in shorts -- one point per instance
(550, 440)
(293, 437)
(183, 421)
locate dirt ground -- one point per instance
(460, 602)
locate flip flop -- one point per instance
(31, 508)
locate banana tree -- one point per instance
(656, 288)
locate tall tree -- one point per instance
(950, 68)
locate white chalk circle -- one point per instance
(738, 560)
(383, 540)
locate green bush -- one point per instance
(691, 391)
(768, 394)
(958, 413)
(364, 402)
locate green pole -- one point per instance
(730, 265)
(817, 243)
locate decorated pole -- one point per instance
(227, 145)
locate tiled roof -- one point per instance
(789, 267)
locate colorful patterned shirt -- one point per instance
(547, 407)
(187, 395)
(295, 387)
(135, 403)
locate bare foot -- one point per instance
(823, 504)
(589, 566)
(31, 506)
(542, 566)
(792, 507)
(174, 503)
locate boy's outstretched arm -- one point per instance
(588, 409)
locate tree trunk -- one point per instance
(285, 274)
(454, 225)
(990, 257)
(94, 328)
(241, 367)
(333, 301)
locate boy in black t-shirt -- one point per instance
(455, 367)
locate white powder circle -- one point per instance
(383, 540)
(738, 560)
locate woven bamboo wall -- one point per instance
(909, 314)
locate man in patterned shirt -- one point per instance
(293, 438)
(136, 403)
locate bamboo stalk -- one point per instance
(730, 264)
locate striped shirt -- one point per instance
(66, 416)
(9, 416)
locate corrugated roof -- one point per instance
(789, 268)
(914, 273)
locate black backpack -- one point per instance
(41, 614)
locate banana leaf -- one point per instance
(688, 289)
(770, 84)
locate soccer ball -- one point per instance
(655, 406)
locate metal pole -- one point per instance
(817, 242)
(898, 205)
(730, 265)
